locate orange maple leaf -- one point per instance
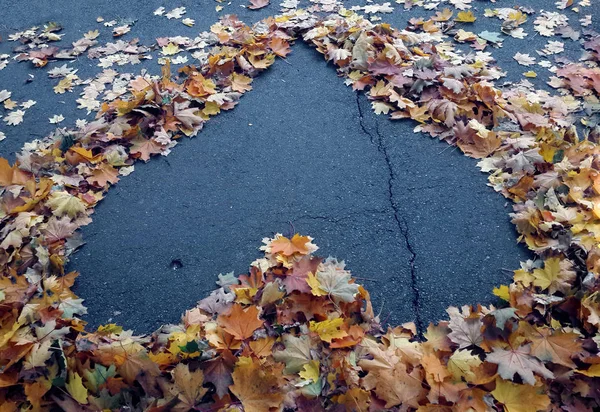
(241, 323)
(11, 174)
(288, 247)
(280, 47)
(104, 174)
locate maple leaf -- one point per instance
(465, 330)
(38, 355)
(188, 22)
(187, 386)
(295, 355)
(311, 371)
(170, 49)
(56, 230)
(271, 293)
(258, 4)
(130, 358)
(104, 174)
(329, 329)
(10, 175)
(76, 389)
(520, 398)
(465, 17)
(395, 385)
(524, 59)
(4, 95)
(217, 302)
(14, 118)
(461, 365)
(240, 83)
(477, 143)
(256, 385)
(518, 361)
(218, 372)
(145, 148)
(176, 13)
(335, 283)
(296, 279)
(191, 122)
(555, 276)
(63, 203)
(287, 247)
(558, 347)
(241, 323)
(354, 399)
(280, 46)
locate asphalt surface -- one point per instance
(412, 217)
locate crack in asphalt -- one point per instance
(377, 141)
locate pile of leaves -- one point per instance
(297, 331)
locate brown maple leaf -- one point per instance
(257, 385)
(295, 279)
(218, 372)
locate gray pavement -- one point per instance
(413, 218)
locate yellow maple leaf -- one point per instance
(328, 329)
(461, 365)
(170, 49)
(530, 74)
(63, 85)
(553, 277)
(315, 285)
(593, 371)
(465, 17)
(520, 398)
(311, 371)
(76, 389)
(502, 292)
